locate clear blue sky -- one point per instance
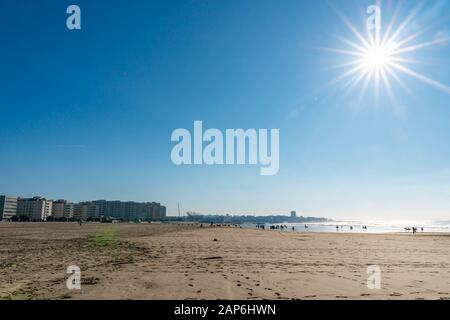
(88, 114)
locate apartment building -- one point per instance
(34, 209)
(8, 208)
(85, 210)
(62, 209)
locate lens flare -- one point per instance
(380, 58)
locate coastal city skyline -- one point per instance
(38, 208)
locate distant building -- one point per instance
(34, 209)
(58, 208)
(293, 214)
(68, 210)
(62, 209)
(102, 207)
(80, 211)
(8, 207)
(85, 210)
(162, 213)
(114, 209)
(130, 210)
(153, 211)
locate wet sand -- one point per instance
(169, 261)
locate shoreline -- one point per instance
(225, 225)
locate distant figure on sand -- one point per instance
(421, 229)
(293, 228)
(337, 228)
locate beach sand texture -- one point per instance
(170, 261)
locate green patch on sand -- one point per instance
(103, 238)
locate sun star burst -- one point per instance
(381, 58)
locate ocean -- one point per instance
(372, 227)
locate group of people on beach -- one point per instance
(351, 228)
(414, 229)
(277, 227)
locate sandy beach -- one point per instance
(169, 261)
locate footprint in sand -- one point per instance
(395, 294)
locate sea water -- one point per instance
(372, 226)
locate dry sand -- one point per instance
(164, 261)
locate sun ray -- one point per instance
(346, 64)
(348, 73)
(421, 77)
(365, 86)
(357, 79)
(407, 60)
(345, 52)
(405, 22)
(352, 28)
(391, 24)
(422, 45)
(378, 30)
(398, 80)
(352, 44)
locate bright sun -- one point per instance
(377, 57)
(380, 57)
